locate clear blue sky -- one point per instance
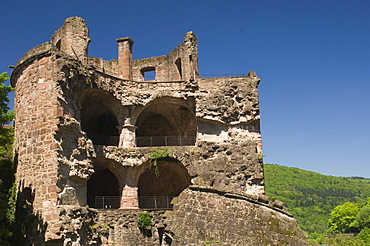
(313, 58)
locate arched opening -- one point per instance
(157, 191)
(102, 129)
(166, 121)
(98, 119)
(179, 68)
(154, 124)
(58, 44)
(103, 190)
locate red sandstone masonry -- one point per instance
(61, 94)
(35, 124)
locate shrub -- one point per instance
(144, 221)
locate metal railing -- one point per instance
(146, 141)
(155, 202)
(107, 202)
(145, 202)
(104, 140)
(220, 75)
(165, 141)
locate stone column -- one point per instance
(125, 57)
(127, 136)
(129, 199)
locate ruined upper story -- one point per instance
(219, 105)
(69, 105)
(180, 64)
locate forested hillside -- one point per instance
(311, 196)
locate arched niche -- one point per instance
(103, 190)
(98, 117)
(166, 121)
(157, 190)
(179, 68)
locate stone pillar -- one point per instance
(127, 136)
(125, 57)
(129, 199)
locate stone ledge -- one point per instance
(39, 51)
(275, 205)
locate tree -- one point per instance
(363, 218)
(344, 240)
(6, 166)
(364, 235)
(6, 116)
(342, 218)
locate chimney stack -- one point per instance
(125, 57)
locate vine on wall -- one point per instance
(156, 155)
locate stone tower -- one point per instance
(98, 142)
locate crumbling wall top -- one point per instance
(190, 37)
(34, 53)
(73, 38)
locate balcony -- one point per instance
(165, 141)
(104, 140)
(149, 141)
(145, 202)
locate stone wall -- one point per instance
(206, 216)
(181, 64)
(38, 111)
(73, 38)
(231, 166)
(229, 100)
(121, 228)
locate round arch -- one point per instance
(100, 116)
(157, 190)
(103, 190)
(104, 186)
(166, 121)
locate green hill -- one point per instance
(311, 196)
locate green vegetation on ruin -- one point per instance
(144, 221)
(156, 155)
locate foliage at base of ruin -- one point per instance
(7, 168)
(6, 174)
(144, 221)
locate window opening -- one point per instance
(178, 65)
(58, 44)
(149, 74)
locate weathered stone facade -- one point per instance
(87, 131)
(204, 216)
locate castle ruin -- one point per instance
(98, 142)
